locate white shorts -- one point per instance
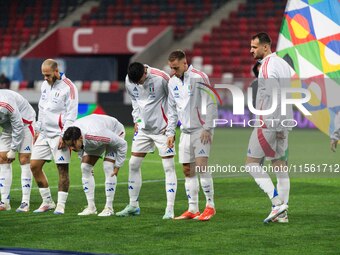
(263, 143)
(105, 152)
(145, 143)
(191, 147)
(26, 144)
(47, 149)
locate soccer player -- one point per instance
(187, 92)
(91, 136)
(58, 109)
(16, 119)
(148, 89)
(335, 137)
(271, 140)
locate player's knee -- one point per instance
(24, 158)
(86, 169)
(135, 163)
(3, 157)
(186, 170)
(35, 167)
(205, 175)
(168, 165)
(108, 168)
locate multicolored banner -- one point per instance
(87, 109)
(309, 41)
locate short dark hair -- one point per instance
(176, 55)
(263, 37)
(72, 134)
(135, 72)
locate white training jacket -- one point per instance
(102, 131)
(275, 74)
(15, 112)
(186, 100)
(58, 107)
(149, 101)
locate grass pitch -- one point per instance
(237, 228)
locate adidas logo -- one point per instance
(28, 148)
(110, 189)
(135, 89)
(111, 154)
(169, 150)
(86, 189)
(61, 158)
(176, 88)
(130, 187)
(171, 190)
(26, 186)
(201, 152)
(188, 196)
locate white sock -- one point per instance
(283, 186)
(263, 180)
(26, 183)
(170, 182)
(45, 194)
(88, 183)
(110, 183)
(5, 182)
(191, 188)
(62, 197)
(135, 180)
(207, 185)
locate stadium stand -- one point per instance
(21, 22)
(233, 34)
(182, 15)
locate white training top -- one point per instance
(100, 131)
(149, 101)
(58, 107)
(15, 112)
(275, 74)
(186, 99)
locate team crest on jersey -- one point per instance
(190, 87)
(56, 98)
(152, 90)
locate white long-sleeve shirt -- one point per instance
(274, 74)
(58, 107)
(15, 112)
(149, 101)
(102, 131)
(186, 100)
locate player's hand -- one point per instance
(280, 135)
(136, 127)
(334, 144)
(205, 137)
(115, 172)
(10, 156)
(170, 142)
(61, 144)
(35, 137)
